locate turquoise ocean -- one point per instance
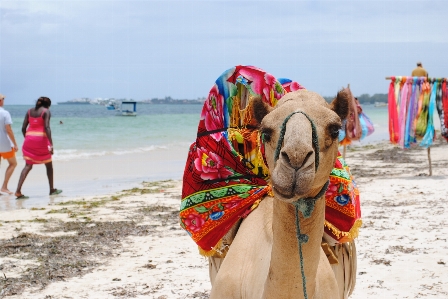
(89, 131)
(98, 152)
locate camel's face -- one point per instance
(294, 174)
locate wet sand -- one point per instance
(95, 176)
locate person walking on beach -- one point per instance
(8, 145)
(419, 71)
(38, 145)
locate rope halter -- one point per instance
(304, 205)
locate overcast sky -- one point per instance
(145, 49)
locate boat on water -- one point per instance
(380, 104)
(126, 108)
(111, 106)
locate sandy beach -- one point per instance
(94, 176)
(128, 244)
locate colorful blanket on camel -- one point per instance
(225, 174)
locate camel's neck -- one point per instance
(285, 260)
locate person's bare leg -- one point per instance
(49, 167)
(22, 178)
(12, 165)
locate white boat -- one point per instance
(380, 104)
(127, 108)
(111, 106)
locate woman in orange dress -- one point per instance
(38, 145)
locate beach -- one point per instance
(147, 93)
(128, 244)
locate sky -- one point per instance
(153, 49)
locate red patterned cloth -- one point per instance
(343, 208)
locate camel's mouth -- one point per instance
(291, 184)
(280, 194)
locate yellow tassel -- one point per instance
(213, 251)
(345, 236)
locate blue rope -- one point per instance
(301, 238)
(306, 206)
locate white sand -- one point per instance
(94, 175)
(402, 247)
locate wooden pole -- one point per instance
(428, 79)
(429, 160)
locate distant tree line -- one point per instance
(366, 98)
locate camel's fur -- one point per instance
(263, 261)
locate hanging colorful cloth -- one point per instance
(444, 114)
(366, 124)
(394, 131)
(423, 86)
(225, 175)
(353, 130)
(428, 138)
(403, 110)
(357, 125)
(445, 107)
(417, 106)
(422, 121)
(442, 108)
(409, 133)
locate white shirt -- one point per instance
(5, 143)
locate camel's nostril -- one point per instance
(296, 161)
(286, 157)
(306, 158)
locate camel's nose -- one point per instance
(296, 158)
(297, 150)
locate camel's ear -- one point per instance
(340, 103)
(260, 109)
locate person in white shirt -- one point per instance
(8, 145)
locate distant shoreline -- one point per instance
(173, 102)
(363, 99)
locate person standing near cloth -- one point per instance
(38, 145)
(8, 145)
(419, 71)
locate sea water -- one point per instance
(97, 152)
(89, 131)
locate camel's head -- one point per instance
(292, 163)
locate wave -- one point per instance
(72, 154)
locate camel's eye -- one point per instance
(266, 135)
(333, 130)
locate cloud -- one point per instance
(143, 49)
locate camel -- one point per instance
(269, 257)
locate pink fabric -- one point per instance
(35, 147)
(403, 110)
(393, 114)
